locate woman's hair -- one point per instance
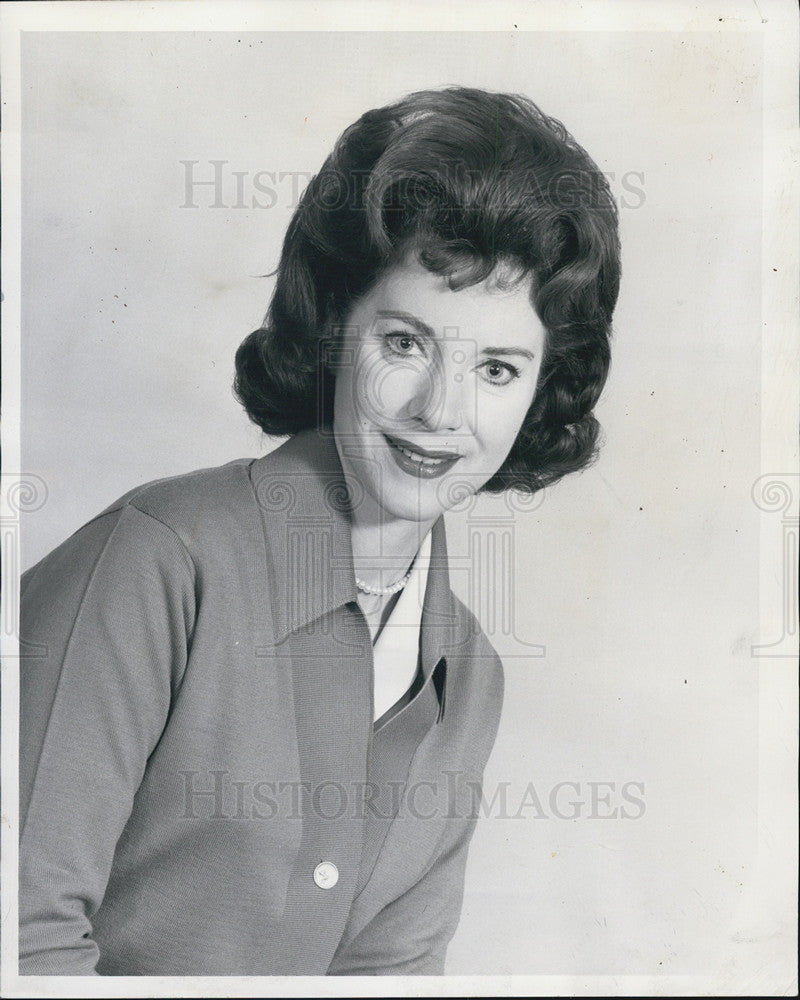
(467, 180)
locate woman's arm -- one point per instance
(105, 618)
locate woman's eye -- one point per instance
(499, 372)
(404, 344)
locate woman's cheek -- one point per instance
(402, 390)
(500, 416)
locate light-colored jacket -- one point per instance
(196, 726)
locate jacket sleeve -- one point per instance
(104, 623)
(410, 935)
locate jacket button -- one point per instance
(326, 874)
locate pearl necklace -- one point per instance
(365, 588)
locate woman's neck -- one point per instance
(383, 546)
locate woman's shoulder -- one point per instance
(202, 507)
(216, 493)
(469, 629)
(486, 666)
(206, 490)
(474, 686)
(177, 516)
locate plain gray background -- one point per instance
(639, 577)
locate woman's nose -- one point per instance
(441, 402)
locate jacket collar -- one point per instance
(302, 496)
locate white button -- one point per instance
(326, 874)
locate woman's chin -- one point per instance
(403, 492)
(424, 502)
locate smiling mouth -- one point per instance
(423, 456)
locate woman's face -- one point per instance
(432, 386)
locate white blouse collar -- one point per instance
(396, 649)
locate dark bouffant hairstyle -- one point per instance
(466, 179)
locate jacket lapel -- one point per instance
(302, 496)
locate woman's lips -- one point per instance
(424, 464)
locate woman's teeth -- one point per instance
(421, 459)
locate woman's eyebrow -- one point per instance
(427, 331)
(409, 318)
(503, 352)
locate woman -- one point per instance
(255, 735)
